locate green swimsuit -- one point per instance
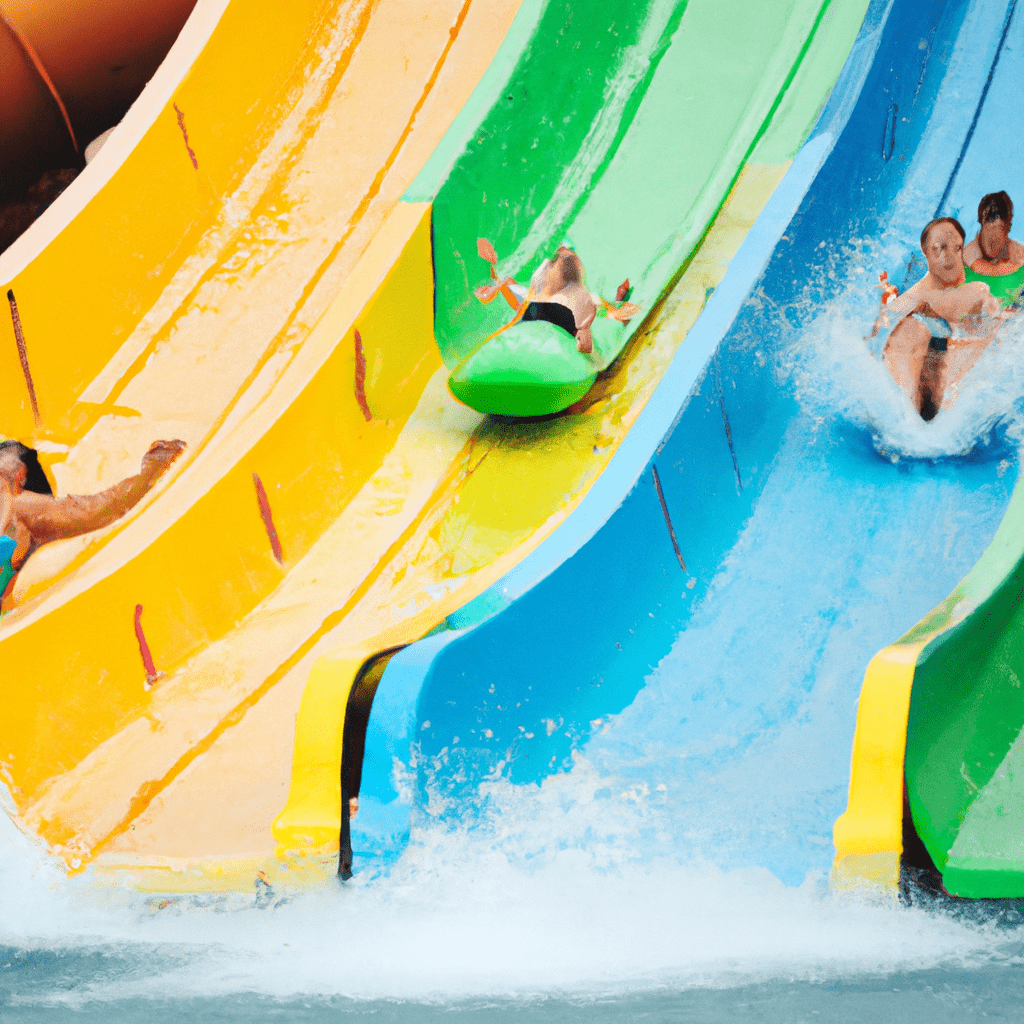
(1006, 287)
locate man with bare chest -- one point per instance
(946, 322)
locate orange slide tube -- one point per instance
(70, 71)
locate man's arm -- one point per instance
(897, 307)
(48, 519)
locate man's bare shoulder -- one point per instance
(972, 251)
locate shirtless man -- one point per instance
(946, 323)
(31, 519)
(992, 252)
(557, 293)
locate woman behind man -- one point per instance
(951, 315)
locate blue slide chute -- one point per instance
(699, 626)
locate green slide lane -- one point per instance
(622, 142)
(965, 746)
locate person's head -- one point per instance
(942, 243)
(19, 465)
(13, 470)
(570, 265)
(564, 268)
(995, 215)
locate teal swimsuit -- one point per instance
(7, 546)
(1006, 288)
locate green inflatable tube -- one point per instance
(533, 368)
(620, 139)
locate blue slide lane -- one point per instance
(817, 516)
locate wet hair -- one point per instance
(36, 479)
(995, 206)
(941, 220)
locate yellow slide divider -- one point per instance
(868, 836)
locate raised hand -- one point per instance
(160, 456)
(623, 313)
(486, 251)
(487, 292)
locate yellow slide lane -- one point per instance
(238, 262)
(180, 300)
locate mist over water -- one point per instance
(515, 912)
(685, 855)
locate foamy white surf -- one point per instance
(836, 371)
(532, 903)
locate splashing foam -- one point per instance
(542, 896)
(836, 372)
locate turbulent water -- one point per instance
(679, 870)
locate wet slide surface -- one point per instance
(693, 652)
(950, 685)
(195, 317)
(290, 281)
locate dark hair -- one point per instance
(942, 220)
(995, 206)
(36, 480)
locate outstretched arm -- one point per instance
(486, 294)
(48, 519)
(896, 308)
(623, 313)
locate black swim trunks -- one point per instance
(938, 344)
(554, 312)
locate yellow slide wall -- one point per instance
(301, 143)
(224, 302)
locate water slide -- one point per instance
(690, 642)
(251, 264)
(69, 78)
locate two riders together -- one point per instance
(950, 317)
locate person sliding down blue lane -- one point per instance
(689, 645)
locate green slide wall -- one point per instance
(623, 142)
(965, 746)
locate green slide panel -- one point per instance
(623, 142)
(965, 745)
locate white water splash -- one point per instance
(836, 372)
(528, 903)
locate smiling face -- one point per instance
(944, 250)
(994, 238)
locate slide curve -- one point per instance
(696, 628)
(251, 264)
